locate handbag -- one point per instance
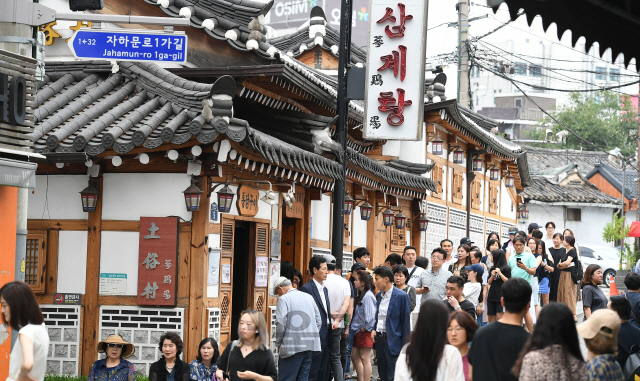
(631, 369)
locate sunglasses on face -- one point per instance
(119, 346)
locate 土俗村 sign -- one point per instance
(129, 46)
(394, 101)
(157, 261)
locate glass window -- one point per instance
(535, 71)
(601, 73)
(614, 75)
(521, 68)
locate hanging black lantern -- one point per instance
(89, 197)
(192, 196)
(365, 211)
(225, 199)
(436, 146)
(458, 156)
(423, 223)
(348, 204)
(388, 217)
(477, 164)
(400, 220)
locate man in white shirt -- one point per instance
(409, 256)
(447, 245)
(339, 298)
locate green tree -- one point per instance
(604, 118)
(616, 231)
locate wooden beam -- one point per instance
(121, 226)
(197, 279)
(371, 226)
(35, 225)
(91, 319)
(51, 282)
(315, 193)
(112, 300)
(214, 228)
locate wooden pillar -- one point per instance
(197, 328)
(372, 231)
(52, 262)
(304, 255)
(415, 231)
(91, 313)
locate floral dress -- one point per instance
(200, 372)
(121, 372)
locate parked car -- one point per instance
(606, 257)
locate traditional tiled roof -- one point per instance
(541, 159)
(316, 32)
(614, 177)
(94, 106)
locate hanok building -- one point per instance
(202, 180)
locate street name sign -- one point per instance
(394, 92)
(129, 45)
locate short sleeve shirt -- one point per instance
(416, 282)
(40, 339)
(516, 272)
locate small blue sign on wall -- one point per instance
(214, 212)
(129, 46)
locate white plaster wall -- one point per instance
(448, 179)
(506, 205)
(359, 230)
(129, 196)
(214, 241)
(72, 262)
(391, 148)
(413, 151)
(541, 214)
(119, 254)
(61, 196)
(321, 218)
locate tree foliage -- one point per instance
(604, 118)
(615, 231)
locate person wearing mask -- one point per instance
(509, 243)
(447, 246)
(170, 367)
(500, 273)
(458, 267)
(472, 290)
(400, 276)
(316, 288)
(523, 265)
(114, 367)
(455, 299)
(21, 312)
(632, 282)
(593, 298)
(552, 352)
(532, 243)
(476, 257)
(433, 282)
(410, 257)
(392, 327)
(364, 320)
(628, 335)
(393, 260)
(249, 357)
(496, 347)
(600, 333)
(204, 367)
(544, 272)
(296, 343)
(459, 334)
(428, 357)
(339, 295)
(550, 228)
(557, 252)
(566, 287)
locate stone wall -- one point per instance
(63, 325)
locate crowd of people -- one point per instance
(473, 320)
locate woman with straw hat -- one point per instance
(114, 367)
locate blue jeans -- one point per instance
(296, 367)
(386, 361)
(349, 349)
(479, 319)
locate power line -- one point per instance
(500, 27)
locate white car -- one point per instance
(606, 257)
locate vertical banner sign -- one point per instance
(157, 261)
(394, 100)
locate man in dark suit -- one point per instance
(393, 326)
(315, 288)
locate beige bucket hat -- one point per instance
(127, 348)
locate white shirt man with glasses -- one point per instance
(433, 282)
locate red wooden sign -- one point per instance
(157, 261)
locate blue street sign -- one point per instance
(129, 46)
(214, 212)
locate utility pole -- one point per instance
(344, 57)
(463, 53)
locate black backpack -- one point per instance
(632, 366)
(576, 271)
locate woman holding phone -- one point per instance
(500, 273)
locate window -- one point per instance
(493, 198)
(535, 71)
(436, 176)
(457, 185)
(601, 73)
(574, 214)
(35, 261)
(614, 75)
(518, 103)
(586, 252)
(521, 68)
(476, 194)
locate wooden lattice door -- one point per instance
(227, 230)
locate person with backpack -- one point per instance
(628, 335)
(566, 285)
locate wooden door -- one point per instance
(259, 297)
(227, 230)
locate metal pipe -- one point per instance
(577, 204)
(123, 19)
